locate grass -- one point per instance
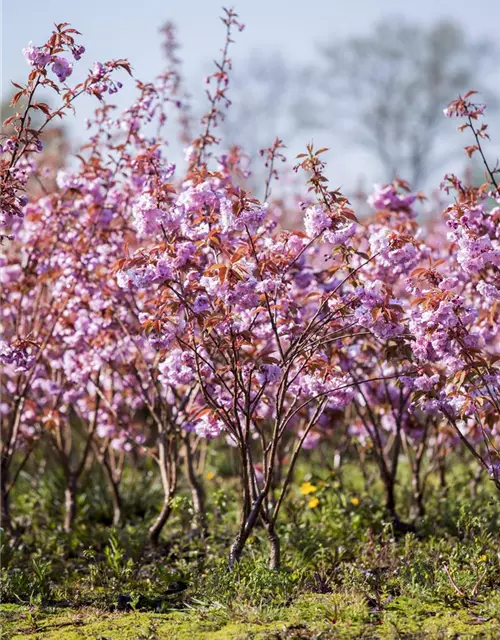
(346, 573)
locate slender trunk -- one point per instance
(7, 447)
(70, 503)
(159, 523)
(415, 456)
(239, 541)
(400, 527)
(274, 554)
(274, 547)
(390, 499)
(197, 491)
(246, 527)
(389, 482)
(475, 482)
(277, 472)
(6, 521)
(418, 508)
(443, 482)
(167, 459)
(116, 498)
(236, 549)
(363, 465)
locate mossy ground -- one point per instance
(319, 617)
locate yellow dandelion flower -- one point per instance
(483, 558)
(313, 503)
(210, 475)
(355, 501)
(306, 488)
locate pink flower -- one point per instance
(146, 215)
(387, 197)
(341, 235)
(178, 368)
(62, 68)
(208, 426)
(269, 373)
(316, 221)
(489, 290)
(78, 52)
(35, 56)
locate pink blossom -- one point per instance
(62, 68)
(36, 56)
(316, 221)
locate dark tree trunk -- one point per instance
(6, 521)
(475, 482)
(418, 507)
(274, 548)
(70, 496)
(197, 491)
(236, 550)
(116, 498)
(161, 520)
(246, 527)
(390, 500)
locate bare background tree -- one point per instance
(383, 92)
(387, 91)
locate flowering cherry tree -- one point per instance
(150, 308)
(455, 317)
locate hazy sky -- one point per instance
(126, 28)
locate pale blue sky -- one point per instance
(113, 28)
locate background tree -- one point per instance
(387, 90)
